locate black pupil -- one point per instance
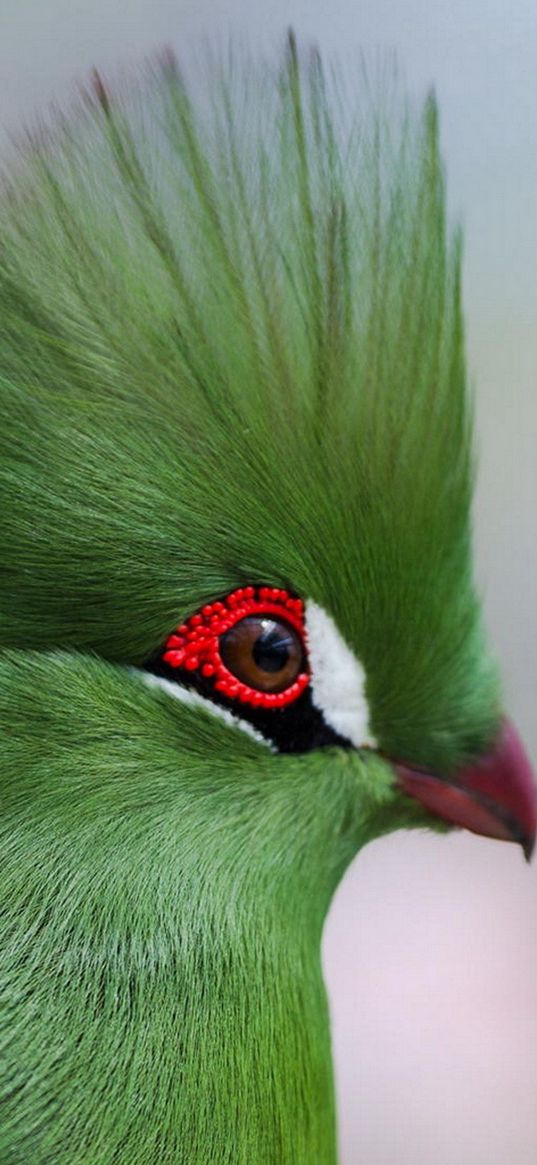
(272, 649)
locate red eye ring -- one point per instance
(195, 645)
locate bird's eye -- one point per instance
(264, 652)
(249, 647)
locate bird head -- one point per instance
(240, 631)
(238, 594)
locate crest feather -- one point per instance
(232, 349)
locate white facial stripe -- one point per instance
(194, 700)
(337, 679)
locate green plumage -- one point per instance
(231, 351)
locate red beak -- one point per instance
(496, 796)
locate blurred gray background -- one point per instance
(431, 946)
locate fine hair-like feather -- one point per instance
(231, 352)
(232, 348)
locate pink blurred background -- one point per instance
(430, 949)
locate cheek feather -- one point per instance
(338, 679)
(195, 700)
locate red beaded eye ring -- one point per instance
(253, 648)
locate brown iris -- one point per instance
(264, 652)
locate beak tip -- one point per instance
(528, 847)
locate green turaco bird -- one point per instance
(240, 636)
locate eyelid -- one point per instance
(195, 645)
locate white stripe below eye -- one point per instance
(194, 700)
(338, 679)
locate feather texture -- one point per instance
(231, 352)
(232, 349)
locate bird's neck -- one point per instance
(254, 1075)
(182, 1013)
(202, 1045)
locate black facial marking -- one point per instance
(297, 727)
